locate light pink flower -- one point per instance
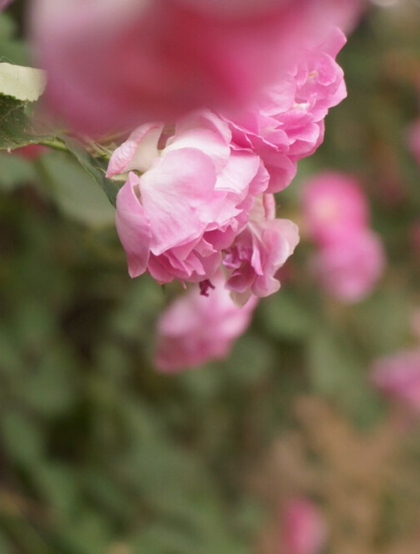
(259, 252)
(413, 137)
(304, 529)
(192, 200)
(333, 203)
(287, 122)
(349, 266)
(196, 328)
(114, 62)
(398, 376)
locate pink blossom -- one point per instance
(192, 200)
(195, 328)
(333, 203)
(350, 265)
(114, 62)
(287, 122)
(257, 253)
(303, 527)
(413, 137)
(398, 376)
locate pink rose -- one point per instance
(303, 527)
(196, 328)
(333, 203)
(192, 200)
(349, 266)
(259, 251)
(114, 62)
(398, 376)
(287, 122)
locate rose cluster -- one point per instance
(198, 203)
(224, 98)
(199, 198)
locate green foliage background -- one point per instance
(101, 454)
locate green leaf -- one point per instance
(16, 128)
(285, 316)
(75, 190)
(95, 167)
(15, 171)
(22, 438)
(337, 371)
(22, 83)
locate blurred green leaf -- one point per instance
(283, 315)
(336, 371)
(15, 171)
(75, 191)
(22, 438)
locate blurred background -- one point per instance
(286, 447)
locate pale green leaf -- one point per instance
(22, 83)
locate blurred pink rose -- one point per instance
(303, 526)
(196, 328)
(287, 122)
(413, 137)
(113, 64)
(192, 200)
(333, 203)
(349, 266)
(398, 376)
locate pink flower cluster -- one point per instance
(199, 196)
(350, 257)
(196, 328)
(114, 62)
(200, 203)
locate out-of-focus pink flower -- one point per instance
(287, 122)
(191, 201)
(398, 376)
(413, 138)
(304, 529)
(350, 266)
(114, 62)
(196, 328)
(259, 252)
(333, 203)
